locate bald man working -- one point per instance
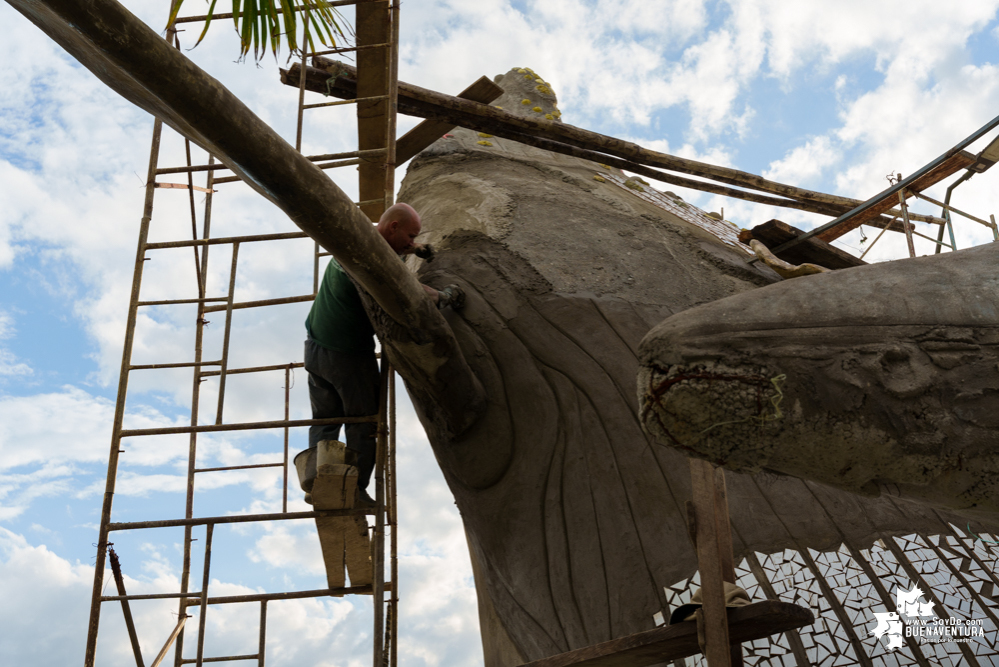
(340, 351)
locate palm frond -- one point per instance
(274, 23)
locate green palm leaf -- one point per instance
(260, 23)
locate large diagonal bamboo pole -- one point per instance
(137, 63)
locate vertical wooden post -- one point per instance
(713, 539)
(905, 221)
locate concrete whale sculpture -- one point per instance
(874, 379)
(574, 515)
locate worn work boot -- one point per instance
(874, 379)
(308, 461)
(364, 501)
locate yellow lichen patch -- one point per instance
(605, 166)
(498, 106)
(525, 101)
(538, 109)
(484, 143)
(631, 183)
(599, 179)
(522, 71)
(538, 80)
(485, 136)
(549, 116)
(543, 89)
(557, 113)
(528, 77)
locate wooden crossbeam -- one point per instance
(774, 233)
(564, 138)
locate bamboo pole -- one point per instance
(414, 100)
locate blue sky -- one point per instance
(830, 96)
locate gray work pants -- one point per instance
(343, 384)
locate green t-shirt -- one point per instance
(337, 320)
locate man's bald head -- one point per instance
(400, 225)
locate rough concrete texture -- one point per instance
(890, 380)
(575, 518)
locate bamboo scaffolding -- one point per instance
(383, 156)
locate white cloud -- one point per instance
(10, 365)
(69, 155)
(804, 163)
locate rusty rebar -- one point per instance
(287, 417)
(149, 596)
(378, 555)
(119, 581)
(228, 329)
(222, 240)
(177, 302)
(194, 215)
(255, 369)
(245, 426)
(223, 658)
(291, 595)
(262, 303)
(312, 158)
(349, 49)
(393, 524)
(179, 364)
(263, 634)
(246, 467)
(236, 518)
(199, 332)
(209, 531)
(905, 223)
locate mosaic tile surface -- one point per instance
(958, 575)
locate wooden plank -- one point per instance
(344, 539)
(957, 162)
(429, 131)
(711, 562)
(331, 539)
(670, 642)
(373, 26)
(815, 251)
(357, 548)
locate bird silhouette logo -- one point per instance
(908, 603)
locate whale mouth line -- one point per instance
(758, 403)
